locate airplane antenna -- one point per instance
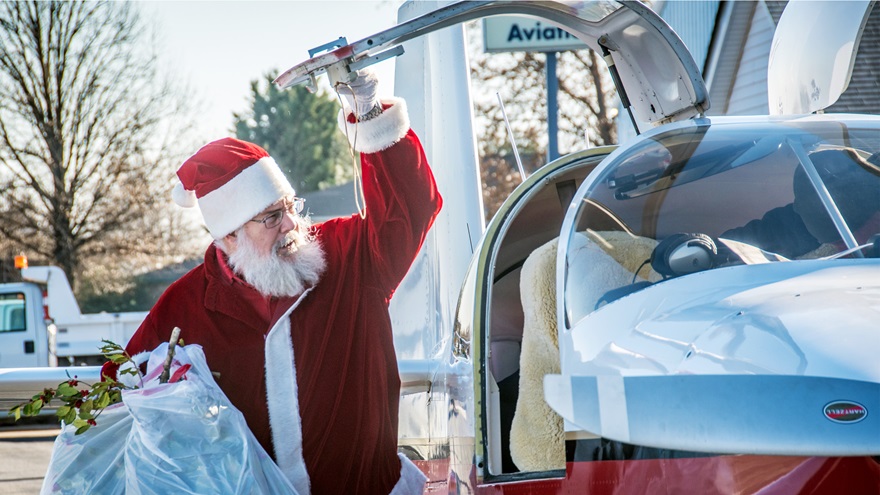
(519, 164)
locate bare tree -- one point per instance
(587, 110)
(587, 90)
(85, 127)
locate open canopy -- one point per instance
(812, 55)
(655, 70)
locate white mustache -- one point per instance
(284, 271)
(295, 239)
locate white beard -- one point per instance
(285, 271)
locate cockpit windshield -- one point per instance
(707, 195)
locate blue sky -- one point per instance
(218, 47)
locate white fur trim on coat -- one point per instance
(412, 479)
(377, 133)
(231, 205)
(283, 401)
(132, 380)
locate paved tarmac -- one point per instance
(25, 451)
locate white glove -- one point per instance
(364, 100)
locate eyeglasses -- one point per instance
(273, 219)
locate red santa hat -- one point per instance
(231, 181)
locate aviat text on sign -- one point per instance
(526, 34)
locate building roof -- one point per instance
(336, 201)
(863, 93)
(693, 22)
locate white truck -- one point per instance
(41, 324)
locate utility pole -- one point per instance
(552, 108)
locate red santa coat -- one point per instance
(316, 377)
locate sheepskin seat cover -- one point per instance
(536, 437)
(608, 260)
(537, 440)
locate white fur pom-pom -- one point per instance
(182, 197)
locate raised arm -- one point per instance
(401, 196)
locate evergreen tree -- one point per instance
(299, 130)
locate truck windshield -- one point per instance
(722, 194)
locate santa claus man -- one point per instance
(293, 317)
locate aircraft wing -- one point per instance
(775, 359)
(730, 414)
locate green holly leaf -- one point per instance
(110, 346)
(65, 390)
(81, 425)
(33, 407)
(63, 411)
(117, 358)
(81, 406)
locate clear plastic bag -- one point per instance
(91, 462)
(182, 437)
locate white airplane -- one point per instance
(693, 312)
